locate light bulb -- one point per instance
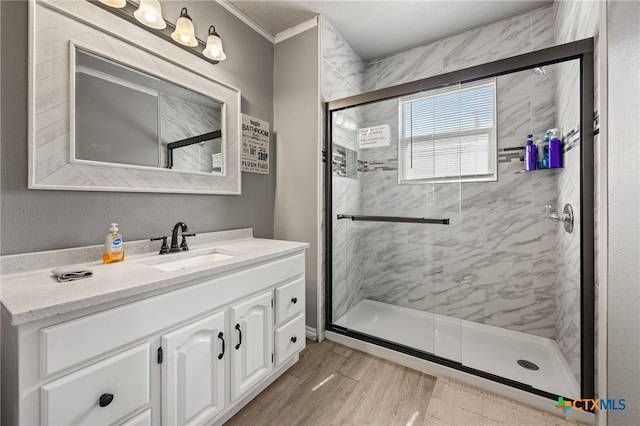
(185, 32)
(149, 13)
(214, 46)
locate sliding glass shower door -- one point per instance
(441, 245)
(392, 229)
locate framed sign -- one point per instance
(255, 145)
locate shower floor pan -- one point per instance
(487, 348)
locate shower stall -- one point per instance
(438, 243)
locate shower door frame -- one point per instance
(582, 50)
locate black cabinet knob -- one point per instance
(294, 300)
(294, 339)
(105, 399)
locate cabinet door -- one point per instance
(252, 343)
(193, 371)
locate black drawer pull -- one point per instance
(294, 339)
(294, 300)
(105, 399)
(239, 336)
(221, 337)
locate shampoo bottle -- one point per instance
(113, 246)
(555, 150)
(543, 151)
(530, 154)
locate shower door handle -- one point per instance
(396, 219)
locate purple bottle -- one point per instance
(530, 154)
(555, 153)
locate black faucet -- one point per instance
(174, 238)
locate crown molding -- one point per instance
(246, 19)
(300, 28)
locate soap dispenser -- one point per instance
(530, 154)
(113, 246)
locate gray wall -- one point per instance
(624, 205)
(296, 123)
(35, 220)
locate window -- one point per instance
(449, 134)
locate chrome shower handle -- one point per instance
(566, 216)
(555, 217)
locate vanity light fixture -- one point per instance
(114, 3)
(214, 46)
(185, 32)
(149, 13)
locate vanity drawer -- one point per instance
(76, 398)
(142, 419)
(289, 300)
(290, 339)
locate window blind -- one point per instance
(449, 134)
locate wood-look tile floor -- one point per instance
(336, 385)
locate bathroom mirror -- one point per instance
(115, 113)
(161, 124)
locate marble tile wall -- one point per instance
(495, 263)
(509, 37)
(574, 20)
(183, 119)
(342, 68)
(342, 75)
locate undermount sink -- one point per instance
(177, 261)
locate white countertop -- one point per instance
(37, 294)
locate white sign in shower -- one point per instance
(374, 137)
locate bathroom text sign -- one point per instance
(373, 137)
(255, 145)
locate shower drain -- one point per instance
(528, 364)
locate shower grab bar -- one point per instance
(394, 219)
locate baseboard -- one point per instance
(311, 333)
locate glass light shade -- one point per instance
(149, 13)
(184, 33)
(114, 3)
(214, 46)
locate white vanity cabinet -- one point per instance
(252, 352)
(193, 371)
(189, 355)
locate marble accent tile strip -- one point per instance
(571, 140)
(344, 162)
(378, 165)
(510, 154)
(339, 161)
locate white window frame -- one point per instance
(491, 133)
